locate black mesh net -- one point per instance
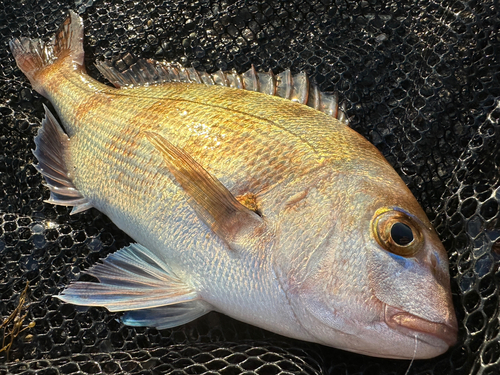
(420, 80)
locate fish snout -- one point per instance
(434, 333)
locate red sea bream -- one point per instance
(246, 203)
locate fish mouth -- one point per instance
(410, 324)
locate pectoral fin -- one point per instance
(133, 278)
(214, 204)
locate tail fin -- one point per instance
(33, 55)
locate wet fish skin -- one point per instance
(161, 161)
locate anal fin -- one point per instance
(52, 144)
(167, 316)
(133, 278)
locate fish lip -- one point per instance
(409, 324)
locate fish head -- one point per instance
(408, 273)
(378, 283)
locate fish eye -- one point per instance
(401, 234)
(397, 232)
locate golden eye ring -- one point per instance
(397, 231)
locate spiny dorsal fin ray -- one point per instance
(133, 278)
(214, 204)
(285, 85)
(52, 144)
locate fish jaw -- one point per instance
(432, 333)
(373, 329)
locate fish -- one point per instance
(246, 194)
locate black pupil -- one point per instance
(401, 234)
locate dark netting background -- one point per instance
(421, 80)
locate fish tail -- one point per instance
(34, 56)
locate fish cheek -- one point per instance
(312, 307)
(334, 295)
(405, 283)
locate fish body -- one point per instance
(248, 204)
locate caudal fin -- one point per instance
(33, 55)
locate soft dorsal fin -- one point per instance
(214, 204)
(52, 144)
(297, 87)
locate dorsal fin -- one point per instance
(129, 72)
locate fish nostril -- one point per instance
(438, 272)
(434, 261)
